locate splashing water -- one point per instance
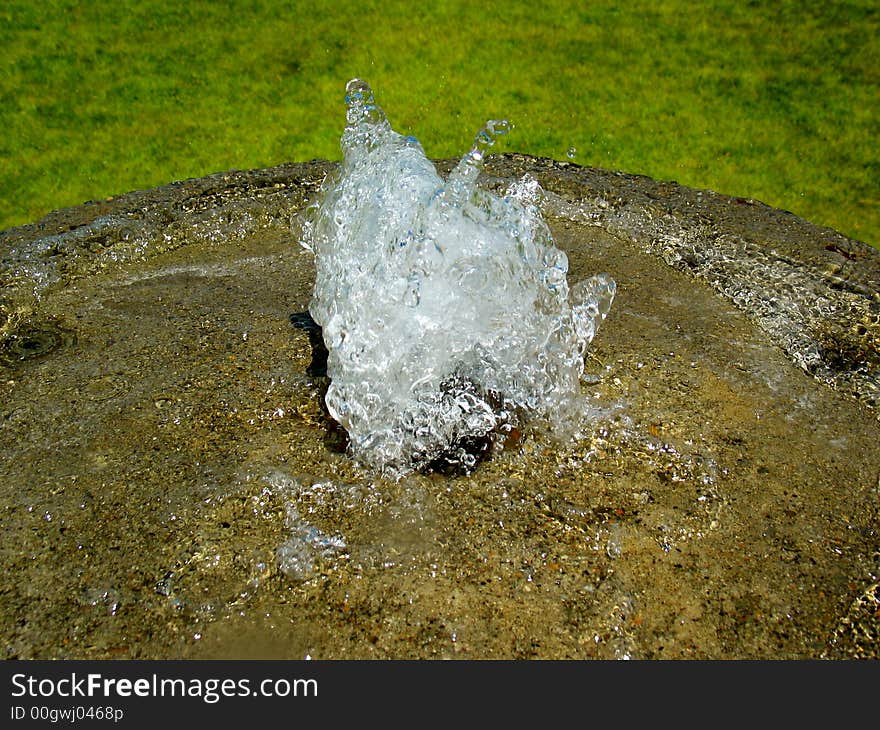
(445, 308)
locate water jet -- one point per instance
(445, 308)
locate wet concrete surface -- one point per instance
(170, 486)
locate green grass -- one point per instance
(772, 100)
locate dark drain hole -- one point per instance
(33, 341)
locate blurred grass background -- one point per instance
(772, 100)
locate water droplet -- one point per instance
(358, 92)
(571, 153)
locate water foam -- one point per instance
(445, 309)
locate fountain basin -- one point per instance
(170, 486)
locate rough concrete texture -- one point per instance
(171, 488)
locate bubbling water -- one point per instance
(445, 308)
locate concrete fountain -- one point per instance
(173, 484)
